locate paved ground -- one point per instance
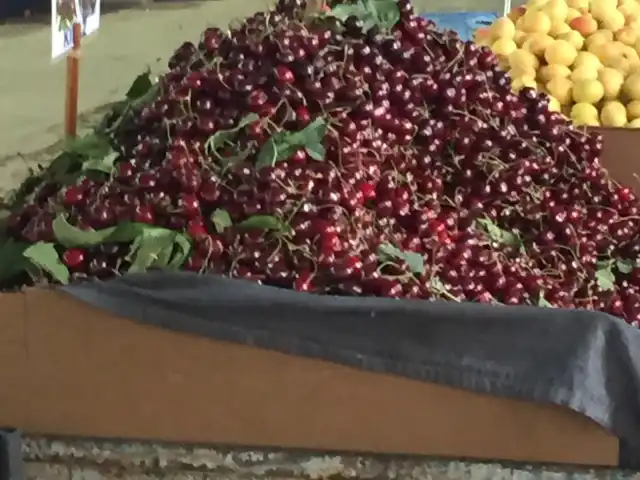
(129, 40)
(86, 460)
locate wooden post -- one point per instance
(72, 87)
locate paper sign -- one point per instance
(63, 15)
(90, 16)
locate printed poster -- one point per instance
(64, 13)
(90, 16)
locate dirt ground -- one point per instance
(129, 40)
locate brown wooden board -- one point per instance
(621, 155)
(69, 369)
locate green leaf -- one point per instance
(382, 13)
(12, 260)
(44, 256)
(181, 251)
(317, 152)
(144, 99)
(104, 164)
(346, 10)
(313, 133)
(542, 302)
(283, 144)
(498, 235)
(221, 220)
(605, 279)
(438, 286)
(269, 154)
(386, 12)
(93, 145)
(140, 86)
(493, 231)
(263, 222)
(150, 249)
(246, 121)
(604, 264)
(70, 237)
(624, 266)
(158, 248)
(63, 165)
(414, 260)
(222, 137)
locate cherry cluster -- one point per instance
(335, 156)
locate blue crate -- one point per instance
(463, 23)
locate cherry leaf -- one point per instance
(283, 144)
(313, 133)
(221, 220)
(94, 145)
(158, 248)
(498, 235)
(63, 165)
(268, 155)
(104, 164)
(317, 151)
(140, 86)
(151, 249)
(12, 260)
(278, 148)
(222, 137)
(605, 279)
(181, 251)
(386, 12)
(44, 256)
(381, 13)
(346, 10)
(263, 222)
(624, 266)
(414, 260)
(542, 302)
(70, 237)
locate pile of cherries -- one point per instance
(431, 178)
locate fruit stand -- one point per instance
(335, 229)
(584, 54)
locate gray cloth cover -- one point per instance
(11, 465)
(587, 361)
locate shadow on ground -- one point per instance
(37, 13)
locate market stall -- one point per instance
(340, 230)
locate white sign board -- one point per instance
(64, 13)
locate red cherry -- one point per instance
(302, 116)
(284, 75)
(144, 214)
(299, 156)
(73, 258)
(126, 171)
(303, 282)
(257, 98)
(73, 196)
(189, 204)
(368, 191)
(330, 242)
(626, 195)
(196, 229)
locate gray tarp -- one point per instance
(11, 465)
(587, 361)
